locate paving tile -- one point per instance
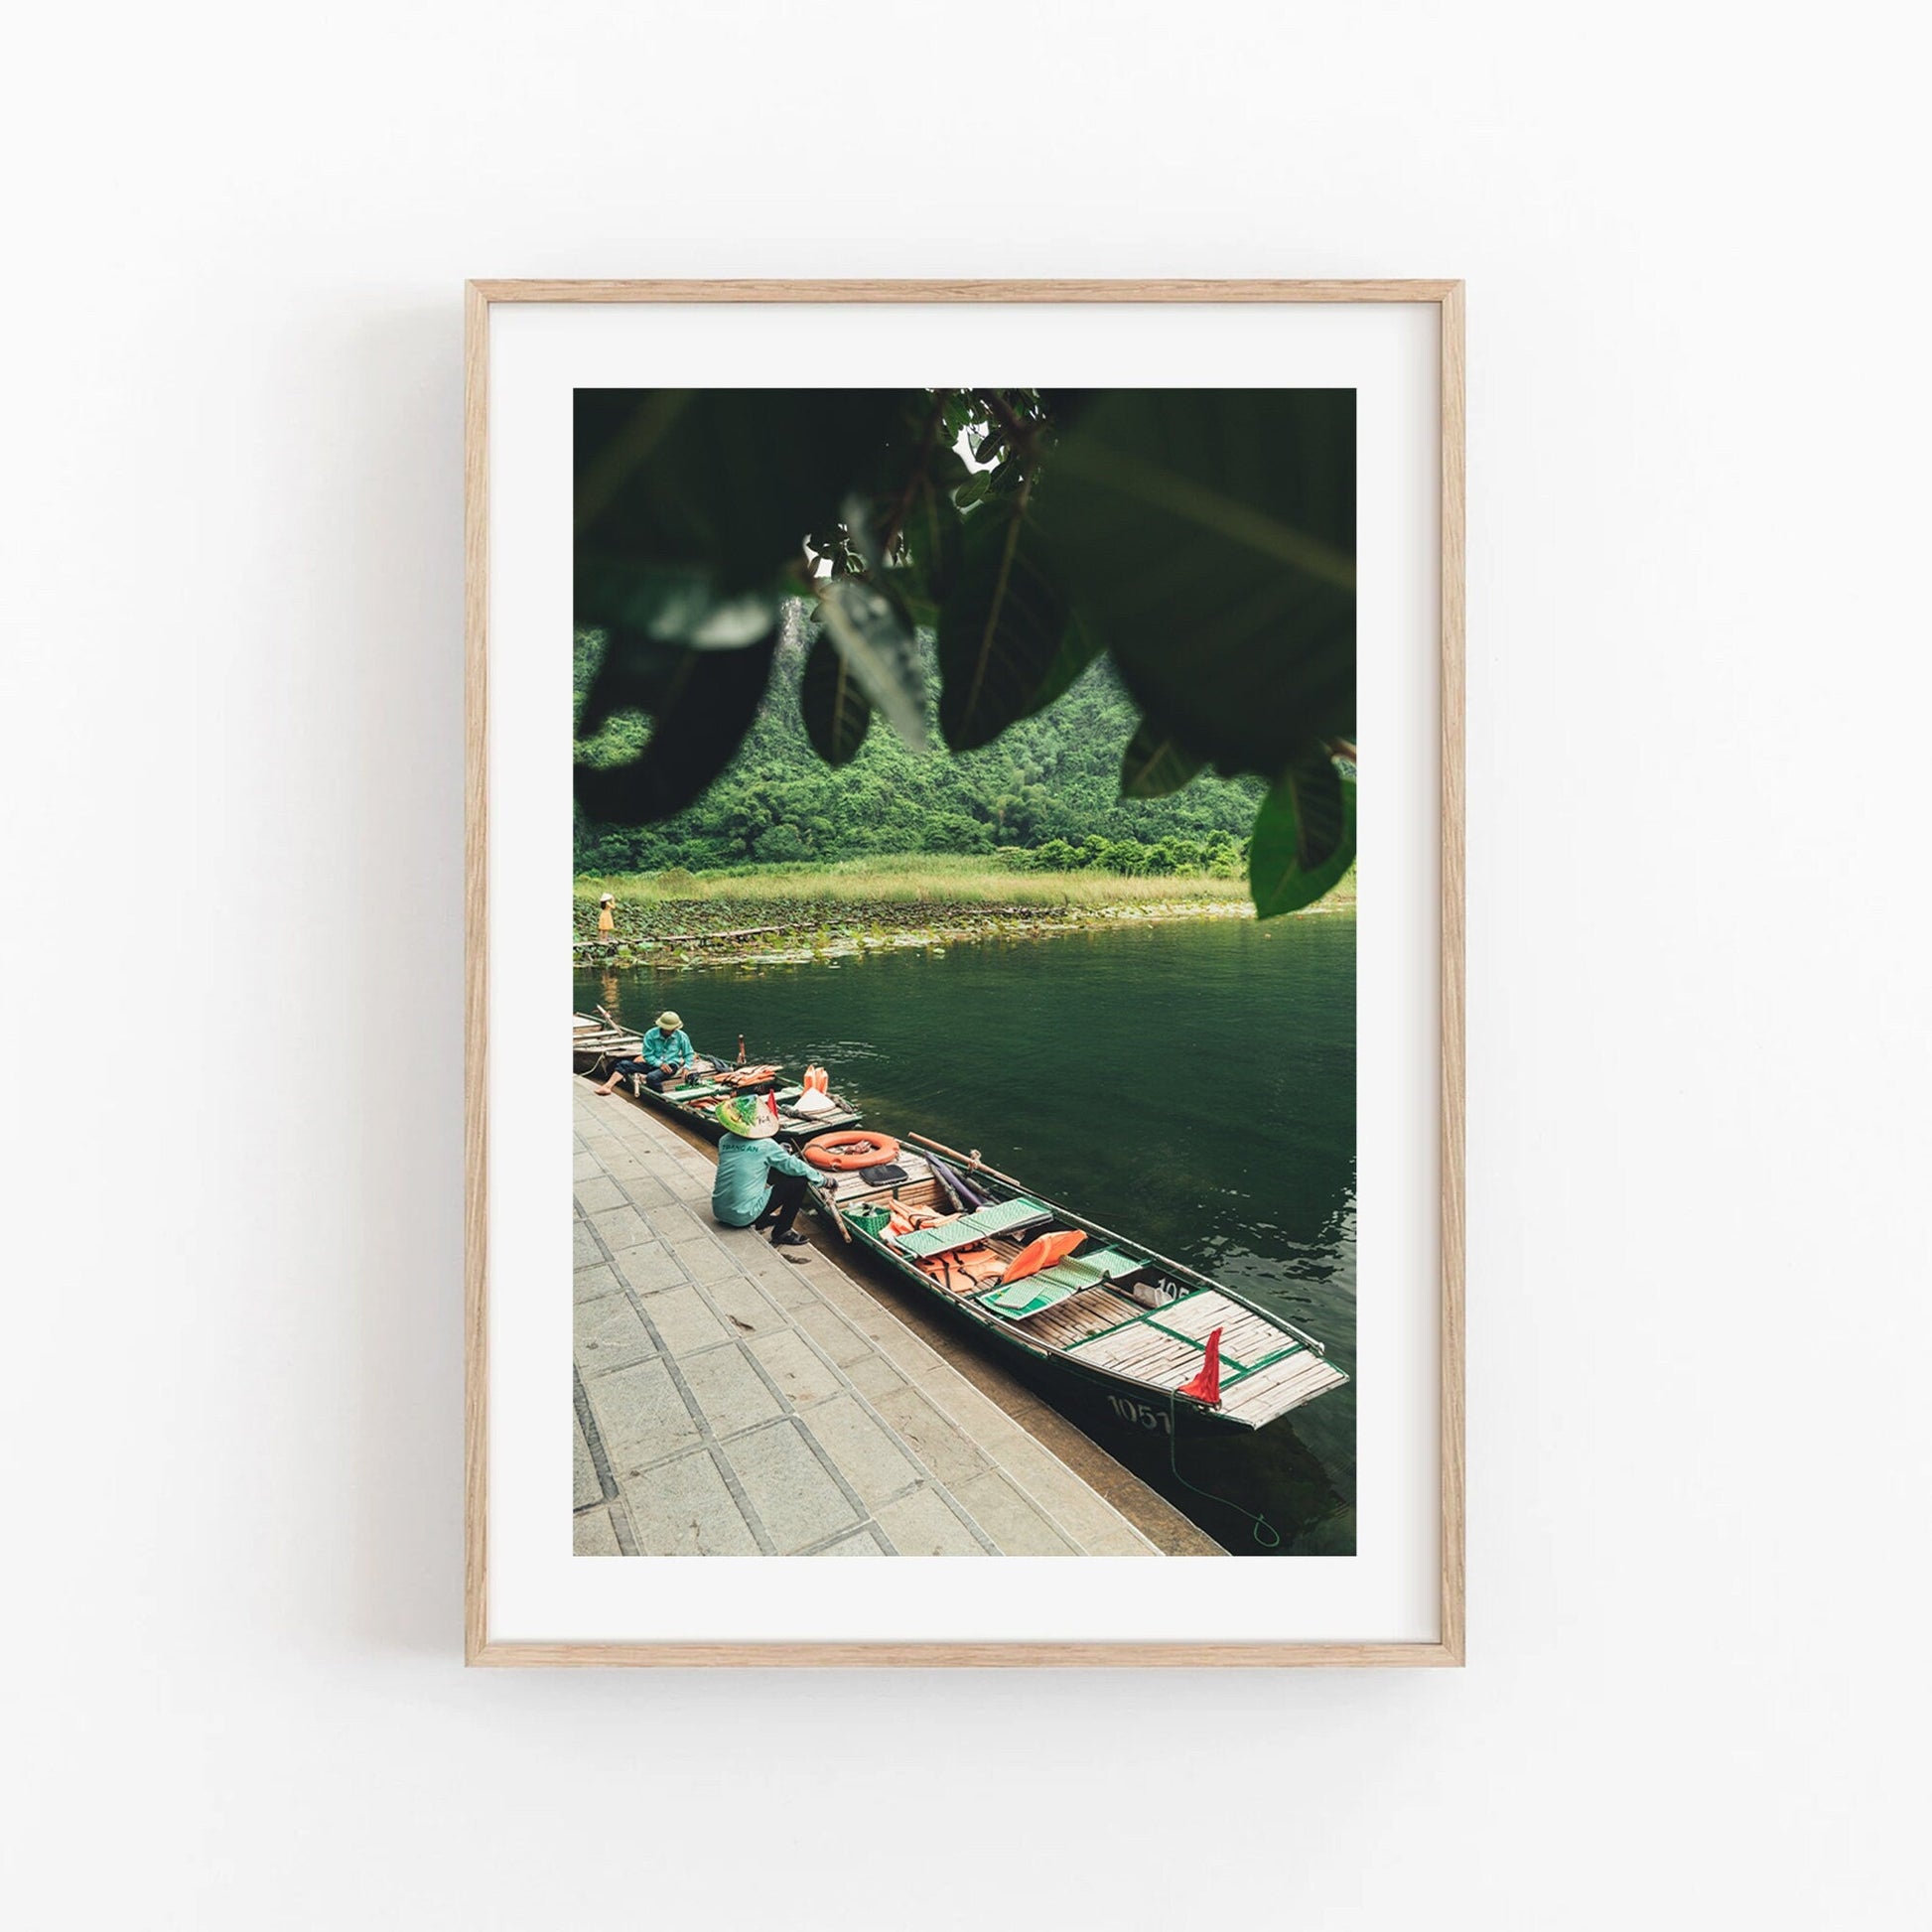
(683, 1508)
(593, 1535)
(747, 1310)
(592, 1283)
(795, 1368)
(1126, 1541)
(646, 1191)
(880, 1326)
(930, 1437)
(640, 1416)
(675, 1223)
(914, 1359)
(594, 1196)
(797, 1501)
(874, 1377)
(920, 1525)
(609, 1335)
(791, 1287)
(585, 1486)
(584, 1248)
(867, 1454)
(1010, 1519)
(681, 1318)
(746, 1246)
(703, 1258)
(1080, 1509)
(584, 1167)
(864, 1544)
(622, 1227)
(836, 1337)
(729, 1391)
(650, 1268)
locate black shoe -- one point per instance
(791, 1238)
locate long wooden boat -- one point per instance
(694, 1101)
(1113, 1322)
(597, 1040)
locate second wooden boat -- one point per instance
(596, 1041)
(599, 1044)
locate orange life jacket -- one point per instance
(1042, 1253)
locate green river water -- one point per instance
(1191, 1086)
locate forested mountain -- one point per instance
(1050, 784)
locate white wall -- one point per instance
(230, 751)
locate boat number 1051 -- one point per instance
(1128, 1409)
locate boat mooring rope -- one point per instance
(1265, 1532)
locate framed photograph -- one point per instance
(988, 757)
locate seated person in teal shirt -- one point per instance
(759, 1184)
(666, 1053)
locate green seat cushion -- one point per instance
(1035, 1294)
(1089, 1271)
(995, 1217)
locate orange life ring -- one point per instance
(846, 1153)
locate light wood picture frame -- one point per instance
(483, 297)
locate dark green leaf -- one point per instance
(836, 712)
(929, 550)
(1006, 646)
(1303, 838)
(702, 703)
(1078, 649)
(1155, 765)
(973, 488)
(671, 604)
(874, 637)
(1210, 538)
(901, 518)
(722, 482)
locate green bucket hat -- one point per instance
(668, 1022)
(746, 1114)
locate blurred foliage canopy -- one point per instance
(1203, 541)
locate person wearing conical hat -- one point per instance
(607, 918)
(759, 1184)
(665, 1052)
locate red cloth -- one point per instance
(1206, 1386)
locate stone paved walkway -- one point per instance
(731, 1403)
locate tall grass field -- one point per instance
(917, 877)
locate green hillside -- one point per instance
(1050, 787)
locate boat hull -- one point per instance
(793, 1132)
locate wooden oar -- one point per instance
(832, 1208)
